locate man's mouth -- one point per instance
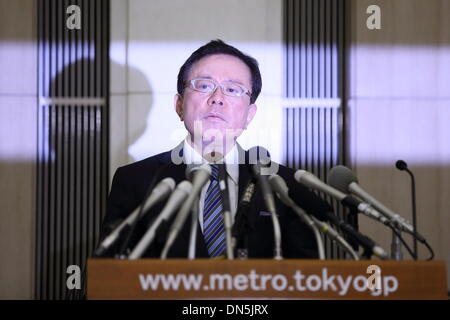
(214, 116)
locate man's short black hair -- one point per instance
(220, 47)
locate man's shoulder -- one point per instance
(281, 170)
(147, 163)
(285, 170)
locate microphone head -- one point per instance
(168, 182)
(278, 184)
(307, 179)
(401, 165)
(185, 186)
(302, 175)
(191, 169)
(340, 177)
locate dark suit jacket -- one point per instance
(131, 182)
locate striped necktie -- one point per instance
(213, 226)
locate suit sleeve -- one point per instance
(121, 201)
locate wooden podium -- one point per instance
(260, 278)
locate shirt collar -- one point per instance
(190, 155)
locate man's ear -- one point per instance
(250, 114)
(178, 102)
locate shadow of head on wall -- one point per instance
(86, 92)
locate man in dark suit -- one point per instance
(217, 89)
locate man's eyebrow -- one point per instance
(228, 80)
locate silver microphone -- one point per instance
(281, 189)
(199, 176)
(311, 181)
(159, 193)
(180, 193)
(343, 179)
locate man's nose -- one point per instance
(216, 97)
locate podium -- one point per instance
(265, 279)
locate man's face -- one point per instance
(216, 110)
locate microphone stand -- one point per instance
(312, 224)
(239, 240)
(223, 186)
(194, 224)
(414, 217)
(396, 247)
(227, 225)
(403, 166)
(366, 254)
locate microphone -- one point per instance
(402, 166)
(280, 188)
(344, 179)
(241, 218)
(159, 193)
(311, 181)
(199, 176)
(369, 245)
(180, 193)
(267, 195)
(223, 185)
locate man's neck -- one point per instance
(211, 150)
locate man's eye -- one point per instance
(234, 90)
(205, 86)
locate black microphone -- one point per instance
(402, 166)
(241, 221)
(261, 176)
(369, 246)
(223, 185)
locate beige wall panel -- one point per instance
(18, 122)
(18, 51)
(118, 47)
(158, 39)
(416, 131)
(197, 20)
(118, 134)
(18, 137)
(399, 109)
(408, 56)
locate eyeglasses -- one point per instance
(210, 86)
